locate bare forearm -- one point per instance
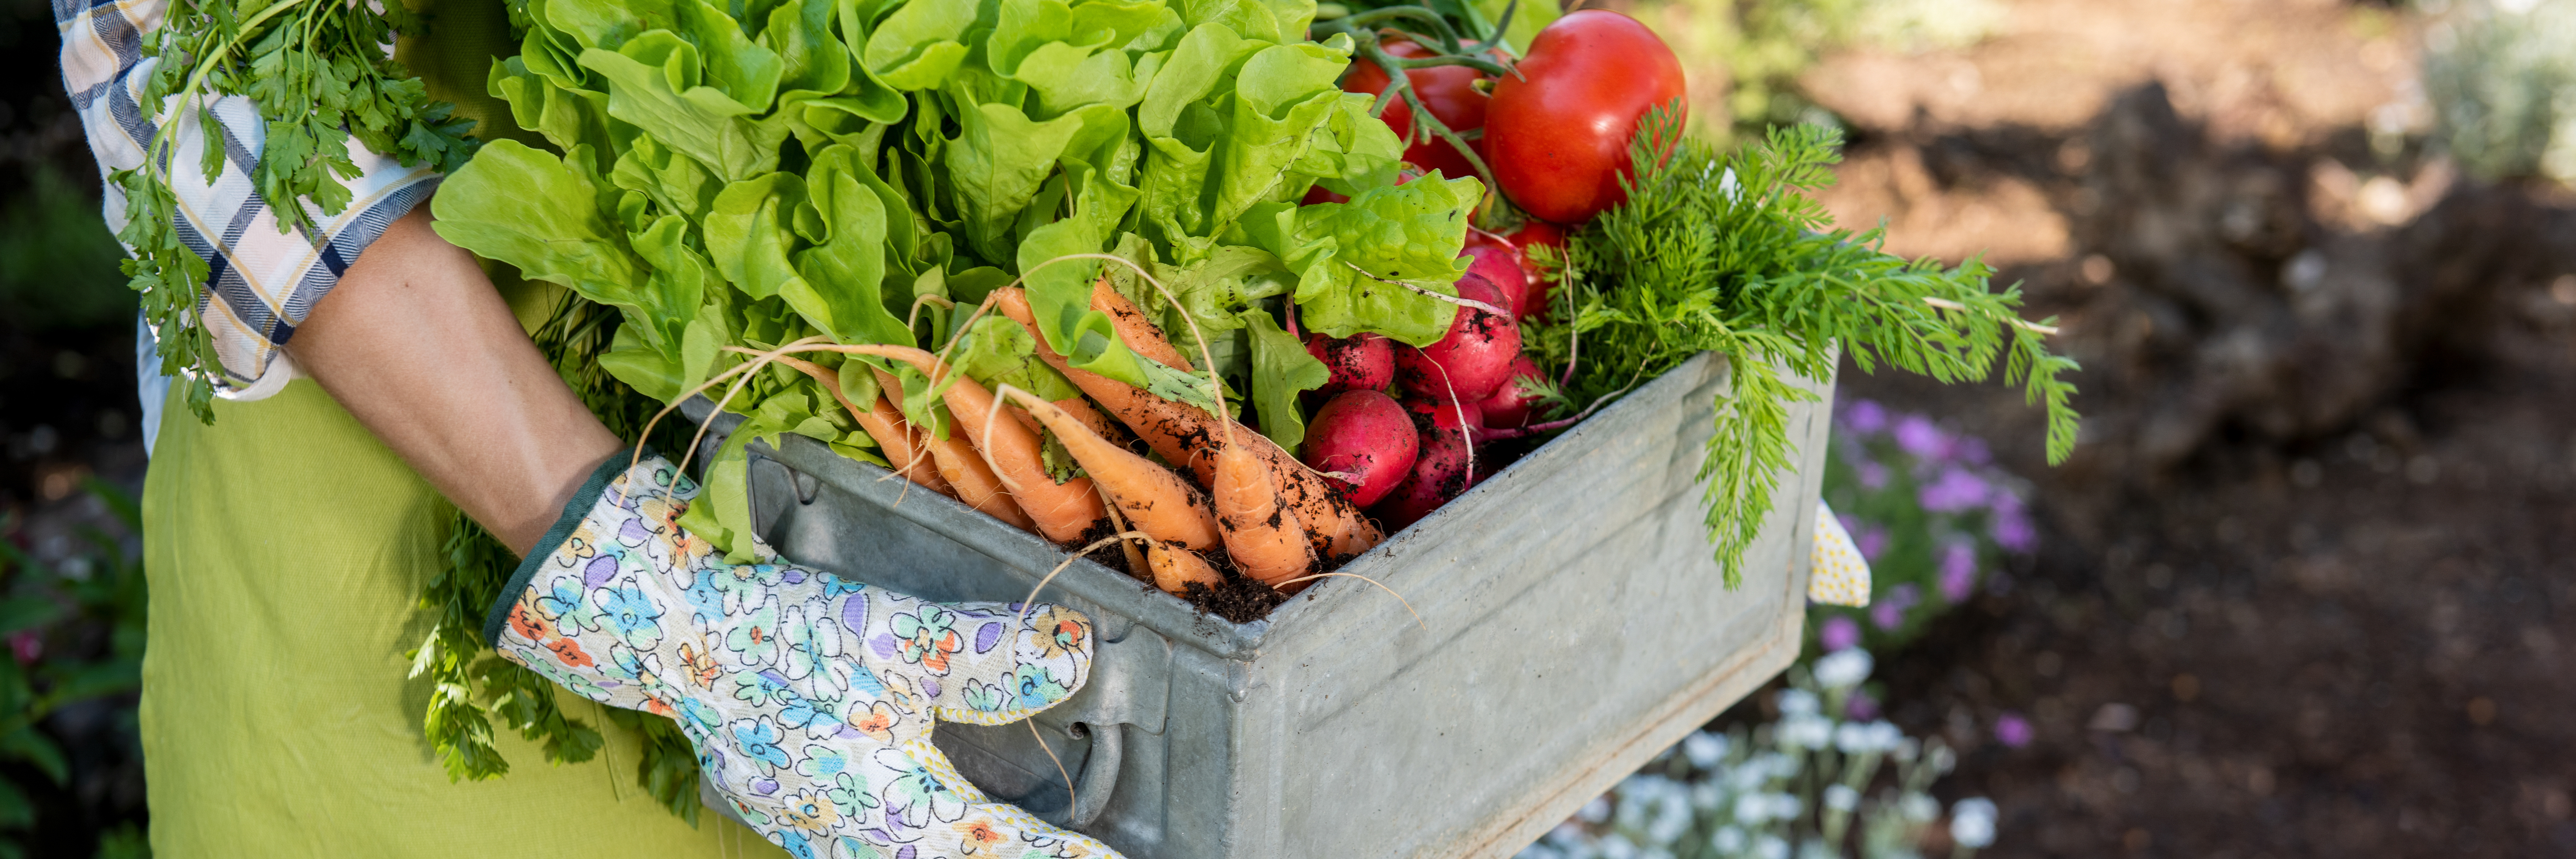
(416, 343)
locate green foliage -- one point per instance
(2503, 81)
(108, 591)
(1728, 253)
(54, 256)
(319, 76)
(738, 178)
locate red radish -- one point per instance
(1473, 359)
(1439, 474)
(1538, 232)
(1361, 362)
(1365, 435)
(1321, 194)
(1438, 416)
(1509, 407)
(1500, 263)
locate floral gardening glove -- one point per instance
(810, 698)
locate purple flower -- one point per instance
(1889, 613)
(1861, 707)
(1865, 417)
(1873, 475)
(2015, 533)
(1955, 490)
(1919, 437)
(2012, 528)
(1838, 633)
(2012, 730)
(1958, 571)
(1871, 540)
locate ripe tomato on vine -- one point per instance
(1557, 128)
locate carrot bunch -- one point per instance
(1221, 494)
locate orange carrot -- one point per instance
(967, 473)
(904, 447)
(1136, 329)
(884, 423)
(1153, 499)
(1184, 434)
(1082, 410)
(1264, 538)
(1062, 511)
(1175, 567)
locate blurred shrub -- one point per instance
(74, 635)
(2502, 78)
(1813, 784)
(58, 262)
(1762, 46)
(1932, 514)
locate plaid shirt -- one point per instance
(261, 282)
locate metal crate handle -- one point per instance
(1099, 773)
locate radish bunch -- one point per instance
(1399, 427)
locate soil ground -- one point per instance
(2307, 587)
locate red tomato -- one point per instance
(1449, 91)
(1556, 134)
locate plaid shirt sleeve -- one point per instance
(261, 282)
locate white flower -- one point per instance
(1747, 778)
(1879, 736)
(1538, 851)
(1728, 840)
(1672, 818)
(1786, 806)
(1614, 846)
(1918, 807)
(1972, 822)
(1707, 795)
(1841, 797)
(1843, 668)
(1807, 730)
(1771, 847)
(1704, 749)
(1752, 809)
(1798, 702)
(1595, 811)
(1885, 735)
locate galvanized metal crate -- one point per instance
(1571, 624)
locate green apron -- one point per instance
(286, 549)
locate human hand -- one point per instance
(811, 698)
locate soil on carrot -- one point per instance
(1240, 599)
(2304, 588)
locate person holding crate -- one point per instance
(371, 374)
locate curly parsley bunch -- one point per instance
(320, 75)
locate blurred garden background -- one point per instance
(2303, 590)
